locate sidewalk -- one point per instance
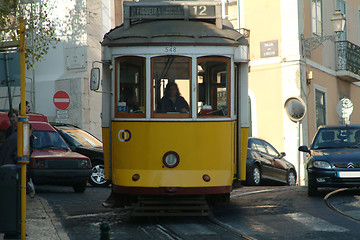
(42, 224)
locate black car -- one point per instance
(86, 144)
(265, 162)
(333, 159)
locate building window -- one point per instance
(359, 28)
(316, 17)
(130, 87)
(320, 108)
(341, 5)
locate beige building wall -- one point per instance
(322, 63)
(265, 73)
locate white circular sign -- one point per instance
(344, 108)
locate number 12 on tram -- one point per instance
(174, 108)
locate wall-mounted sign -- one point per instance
(295, 108)
(269, 49)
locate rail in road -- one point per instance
(330, 205)
(222, 229)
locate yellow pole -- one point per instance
(23, 132)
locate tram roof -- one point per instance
(180, 32)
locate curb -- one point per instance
(42, 223)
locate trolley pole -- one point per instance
(23, 132)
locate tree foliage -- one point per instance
(40, 33)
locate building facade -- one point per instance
(80, 26)
(295, 53)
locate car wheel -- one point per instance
(312, 188)
(255, 176)
(291, 178)
(80, 187)
(97, 178)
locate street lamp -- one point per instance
(338, 20)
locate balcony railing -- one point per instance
(348, 61)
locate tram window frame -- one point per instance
(141, 86)
(154, 114)
(228, 84)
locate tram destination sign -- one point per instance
(172, 11)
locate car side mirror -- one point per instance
(95, 79)
(282, 154)
(304, 149)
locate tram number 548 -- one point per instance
(170, 49)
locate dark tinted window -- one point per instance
(258, 145)
(337, 138)
(48, 140)
(270, 149)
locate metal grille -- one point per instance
(348, 57)
(62, 163)
(345, 165)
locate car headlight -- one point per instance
(171, 159)
(322, 164)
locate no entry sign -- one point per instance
(61, 100)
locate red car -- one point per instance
(52, 162)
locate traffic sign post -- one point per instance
(61, 100)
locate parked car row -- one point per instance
(86, 144)
(67, 155)
(62, 154)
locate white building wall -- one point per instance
(292, 79)
(80, 25)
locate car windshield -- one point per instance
(79, 137)
(48, 140)
(337, 138)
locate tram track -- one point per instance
(228, 228)
(201, 221)
(335, 209)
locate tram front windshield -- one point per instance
(171, 84)
(171, 87)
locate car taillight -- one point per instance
(85, 163)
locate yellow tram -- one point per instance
(175, 102)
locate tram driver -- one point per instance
(172, 101)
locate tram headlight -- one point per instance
(171, 159)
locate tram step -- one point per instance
(170, 206)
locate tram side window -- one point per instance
(130, 87)
(213, 86)
(171, 86)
